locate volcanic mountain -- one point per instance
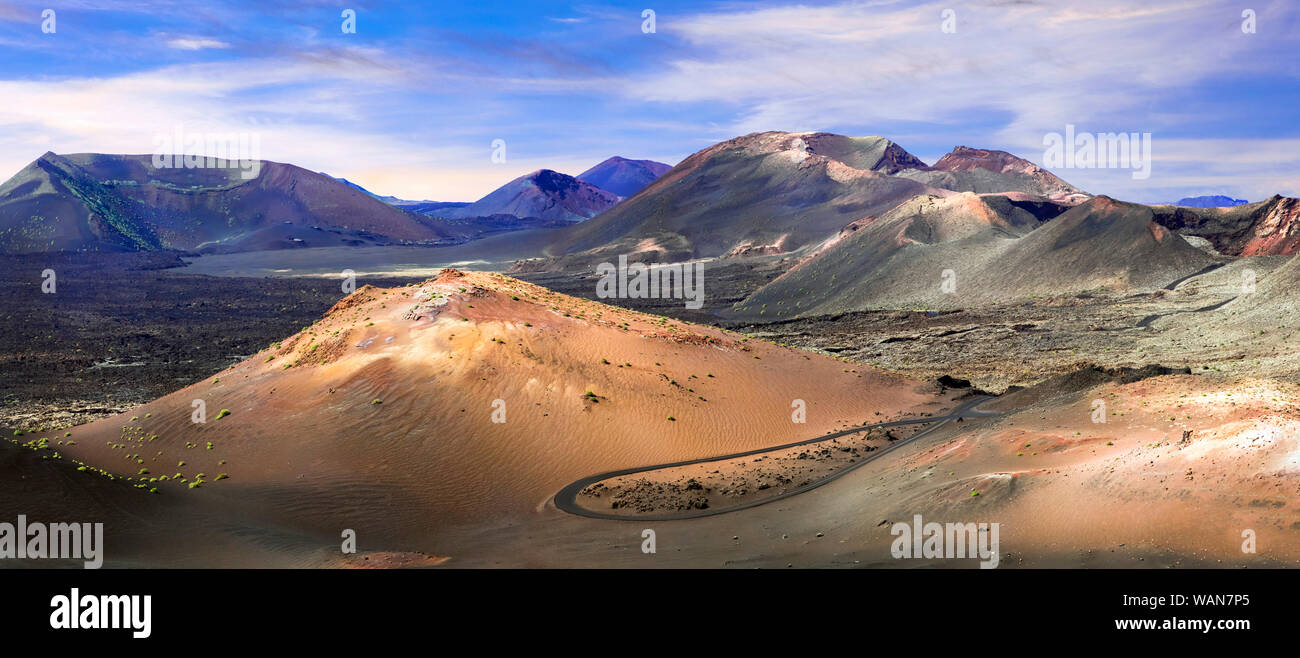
(543, 194)
(967, 169)
(1210, 201)
(984, 249)
(467, 399)
(777, 192)
(122, 202)
(622, 176)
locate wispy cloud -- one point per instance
(1009, 73)
(195, 43)
(410, 104)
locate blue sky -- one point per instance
(410, 104)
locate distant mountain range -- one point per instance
(858, 222)
(1213, 201)
(619, 175)
(779, 192)
(542, 199)
(122, 202)
(546, 194)
(101, 202)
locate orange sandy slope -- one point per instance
(381, 413)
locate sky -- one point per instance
(411, 103)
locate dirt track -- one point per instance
(567, 498)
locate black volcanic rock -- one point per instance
(948, 381)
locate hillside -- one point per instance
(466, 398)
(984, 171)
(542, 194)
(121, 202)
(777, 193)
(761, 192)
(996, 250)
(1266, 228)
(622, 176)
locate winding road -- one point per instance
(567, 498)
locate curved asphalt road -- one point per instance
(567, 498)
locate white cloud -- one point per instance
(1023, 68)
(195, 43)
(322, 127)
(1253, 169)
(1012, 72)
